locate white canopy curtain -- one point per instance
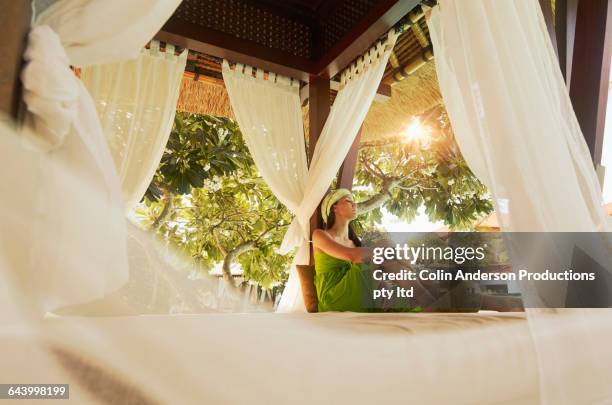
(514, 122)
(76, 242)
(270, 117)
(505, 131)
(269, 114)
(136, 102)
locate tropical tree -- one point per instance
(207, 196)
(421, 167)
(200, 151)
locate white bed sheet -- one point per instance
(485, 358)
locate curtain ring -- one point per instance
(154, 48)
(169, 51)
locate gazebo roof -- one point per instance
(297, 38)
(203, 91)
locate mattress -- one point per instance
(475, 358)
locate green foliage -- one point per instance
(208, 199)
(200, 150)
(430, 172)
(265, 266)
(219, 202)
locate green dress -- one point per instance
(339, 285)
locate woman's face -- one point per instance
(345, 208)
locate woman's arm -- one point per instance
(322, 241)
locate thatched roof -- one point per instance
(411, 96)
(204, 97)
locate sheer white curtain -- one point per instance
(73, 248)
(270, 117)
(516, 128)
(514, 122)
(269, 113)
(136, 103)
(359, 84)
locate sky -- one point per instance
(421, 223)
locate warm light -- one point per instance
(415, 131)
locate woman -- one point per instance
(337, 254)
(340, 276)
(339, 273)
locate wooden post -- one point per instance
(590, 71)
(565, 27)
(319, 105)
(347, 170)
(550, 23)
(15, 18)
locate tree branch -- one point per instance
(168, 207)
(219, 246)
(377, 144)
(379, 199)
(240, 249)
(374, 172)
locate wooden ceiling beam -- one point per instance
(383, 93)
(383, 16)
(366, 32)
(221, 45)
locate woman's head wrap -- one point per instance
(332, 198)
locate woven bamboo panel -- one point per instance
(343, 18)
(408, 46)
(244, 20)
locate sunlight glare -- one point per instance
(415, 131)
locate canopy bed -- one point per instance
(303, 358)
(68, 215)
